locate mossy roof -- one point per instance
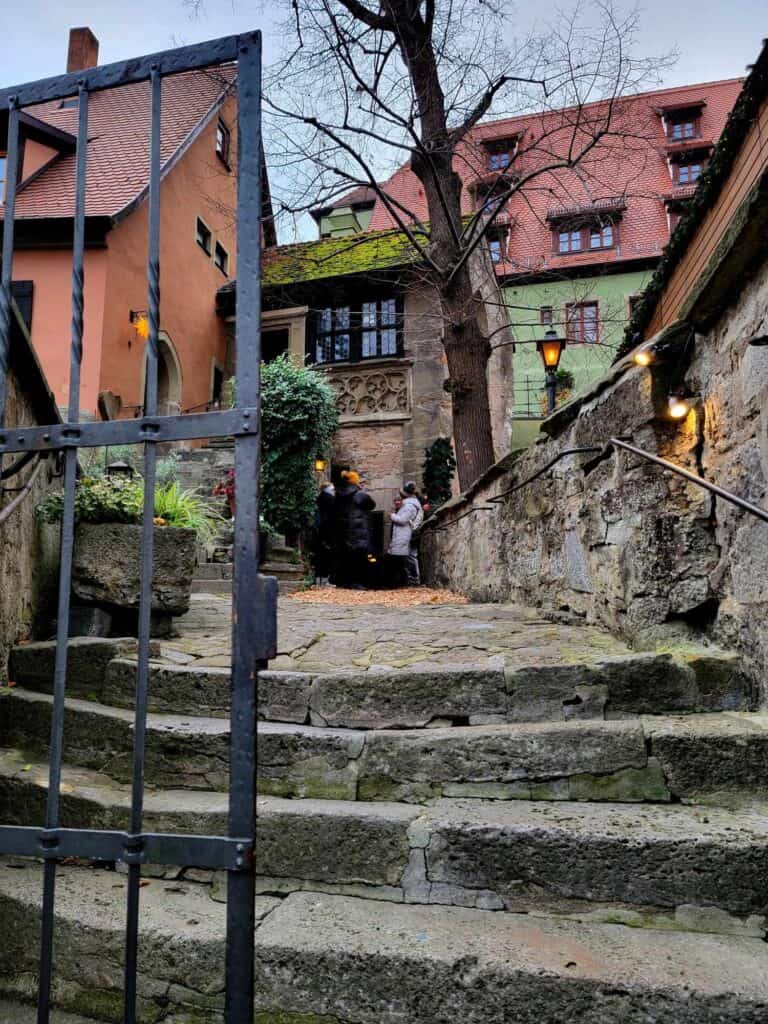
(336, 257)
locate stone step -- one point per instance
(605, 687)
(718, 758)
(182, 751)
(658, 866)
(208, 586)
(413, 697)
(332, 958)
(214, 571)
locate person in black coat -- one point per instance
(325, 534)
(352, 514)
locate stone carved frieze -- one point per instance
(372, 393)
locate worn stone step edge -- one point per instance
(341, 960)
(721, 758)
(414, 698)
(700, 865)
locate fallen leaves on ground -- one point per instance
(406, 597)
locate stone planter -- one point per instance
(106, 560)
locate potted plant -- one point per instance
(107, 549)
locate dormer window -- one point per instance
(682, 122)
(683, 125)
(500, 153)
(688, 171)
(584, 237)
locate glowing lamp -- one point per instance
(550, 349)
(643, 356)
(320, 465)
(678, 407)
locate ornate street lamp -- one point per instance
(550, 348)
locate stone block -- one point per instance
(519, 753)
(178, 689)
(339, 842)
(284, 696)
(32, 665)
(652, 855)
(629, 785)
(717, 756)
(407, 698)
(305, 762)
(106, 560)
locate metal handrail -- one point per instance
(614, 443)
(694, 478)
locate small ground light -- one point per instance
(678, 407)
(643, 356)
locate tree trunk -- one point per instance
(467, 352)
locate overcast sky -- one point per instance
(716, 39)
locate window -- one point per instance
(601, 237)
(582, 322)
(545, 316)
(500, 154)
(682, 125)
(369, 330)
(687, 173)
(223, 139)
(332, 341)
(581, 239)
(497, 245)
(569, 241)
(221, 258)
(3, 166)
(203, 236)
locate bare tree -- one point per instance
(367, 88)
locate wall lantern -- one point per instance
(119, 470)
(320, 465)
(643, 356)
(679, 406)
(550, 348)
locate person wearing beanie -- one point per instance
(352, 513)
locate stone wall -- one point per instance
(28, 549)
(615, 540)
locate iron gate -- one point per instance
(254, 596)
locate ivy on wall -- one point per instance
(438, 471)
(298, 420)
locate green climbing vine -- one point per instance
(298, 420)
(438, 471)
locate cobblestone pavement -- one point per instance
(333, 638)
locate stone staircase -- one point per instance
(200, 469)
(585, 840)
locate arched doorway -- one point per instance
(168, 378)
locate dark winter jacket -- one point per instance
(325, 515)
(353, 509)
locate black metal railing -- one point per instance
(254, 597)
(613, 443)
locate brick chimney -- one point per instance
(83, 50)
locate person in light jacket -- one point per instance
(405, 519)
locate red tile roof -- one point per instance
(118, 143)
(632, 165)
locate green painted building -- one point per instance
(592, 312)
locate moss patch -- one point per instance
(278, 1017)
(336, 257)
